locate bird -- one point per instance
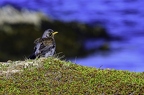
(44, 46)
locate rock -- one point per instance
(10, 15)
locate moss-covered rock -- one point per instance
(52, 76)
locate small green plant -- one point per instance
(52, 76)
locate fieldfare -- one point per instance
(45, 45)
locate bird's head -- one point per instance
(49, 33)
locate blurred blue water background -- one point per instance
(124, 18)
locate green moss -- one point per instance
(56, 77)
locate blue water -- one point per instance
(124, 18)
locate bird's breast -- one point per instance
(47, 43)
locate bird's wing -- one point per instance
(49, 50)
(47, 45)
(38, 40)
(44, 45)
(37, 49)
(46, 48)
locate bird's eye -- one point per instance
(50, 34)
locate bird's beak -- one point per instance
(54, 33)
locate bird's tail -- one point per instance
(32, 56)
